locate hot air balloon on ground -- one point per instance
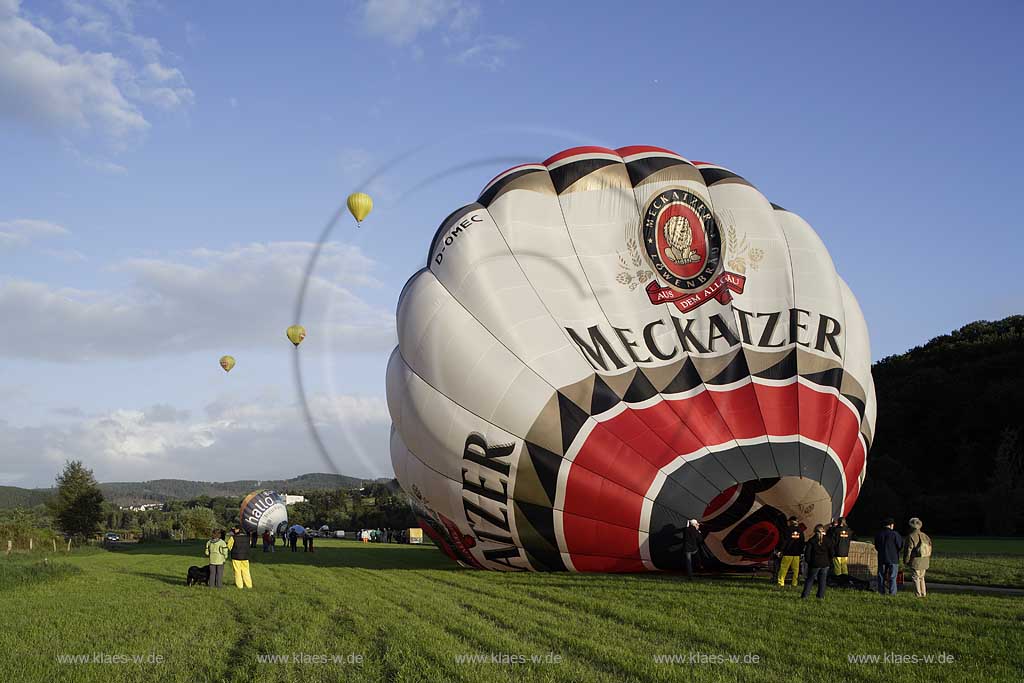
(227, 362)
(612, 342)
(296, 333)
(264, 511)
(359, 205)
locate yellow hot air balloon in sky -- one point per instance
(296, 333)
(359, 205)
(227, 362)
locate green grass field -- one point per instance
(404, 613)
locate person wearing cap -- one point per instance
(691, 544)
(819, 553)
(917, 552)
(790, 548)
(841, 536)
(888, 543)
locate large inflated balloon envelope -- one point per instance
(612, 342)
(359, 205)
(264, 510)
(227, 362)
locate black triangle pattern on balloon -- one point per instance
(572, 418)
(543, 521)
(828, 378)
(564, 176)
(546, 465)
(488, 196)
(686, 379)
(784, 369)
(716, 175)
(857, 403)
(603, 398)
(736, 370)
(640, 389)
(641, 169)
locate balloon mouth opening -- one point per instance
(744, 523)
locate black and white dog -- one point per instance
(197, 575)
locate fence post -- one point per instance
(9, 544)
(54, 544)
(31, 543)
(69, 545)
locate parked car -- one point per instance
(111, 537)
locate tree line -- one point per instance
(77, 509)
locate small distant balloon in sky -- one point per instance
(359, 205)
(296, 333)
(227, 362)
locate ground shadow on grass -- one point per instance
(169, 579)
(338, 554)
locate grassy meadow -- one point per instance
(360, 612)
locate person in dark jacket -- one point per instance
(267, 541)
(238, 550)
(819, 553)
(790, 548)
(888, 543)
(293, 540)
(841, 536)
(691, 544)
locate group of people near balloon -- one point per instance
(828, 551)
(236, 548)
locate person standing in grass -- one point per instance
(266, 541)
(888, 543)
(790, 548)
(917, 552)
(691, 544)
(841, 536)
(217, 551)
(238, 548)
(819, 553)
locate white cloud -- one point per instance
(487, 52)
(401, 21)
(404, 22)
(233, 440)
(65, 255)
(208, 299)
(56, 86)
(23, 231)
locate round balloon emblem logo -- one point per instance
(682, 240)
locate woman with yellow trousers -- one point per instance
(239, 548)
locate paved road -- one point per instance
(957, 588)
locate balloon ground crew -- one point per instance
(790, 548)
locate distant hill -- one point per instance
(949, 446)
(12, 496)
(161, 490)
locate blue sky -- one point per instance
(166, 168)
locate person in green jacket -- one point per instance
(217, 551)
